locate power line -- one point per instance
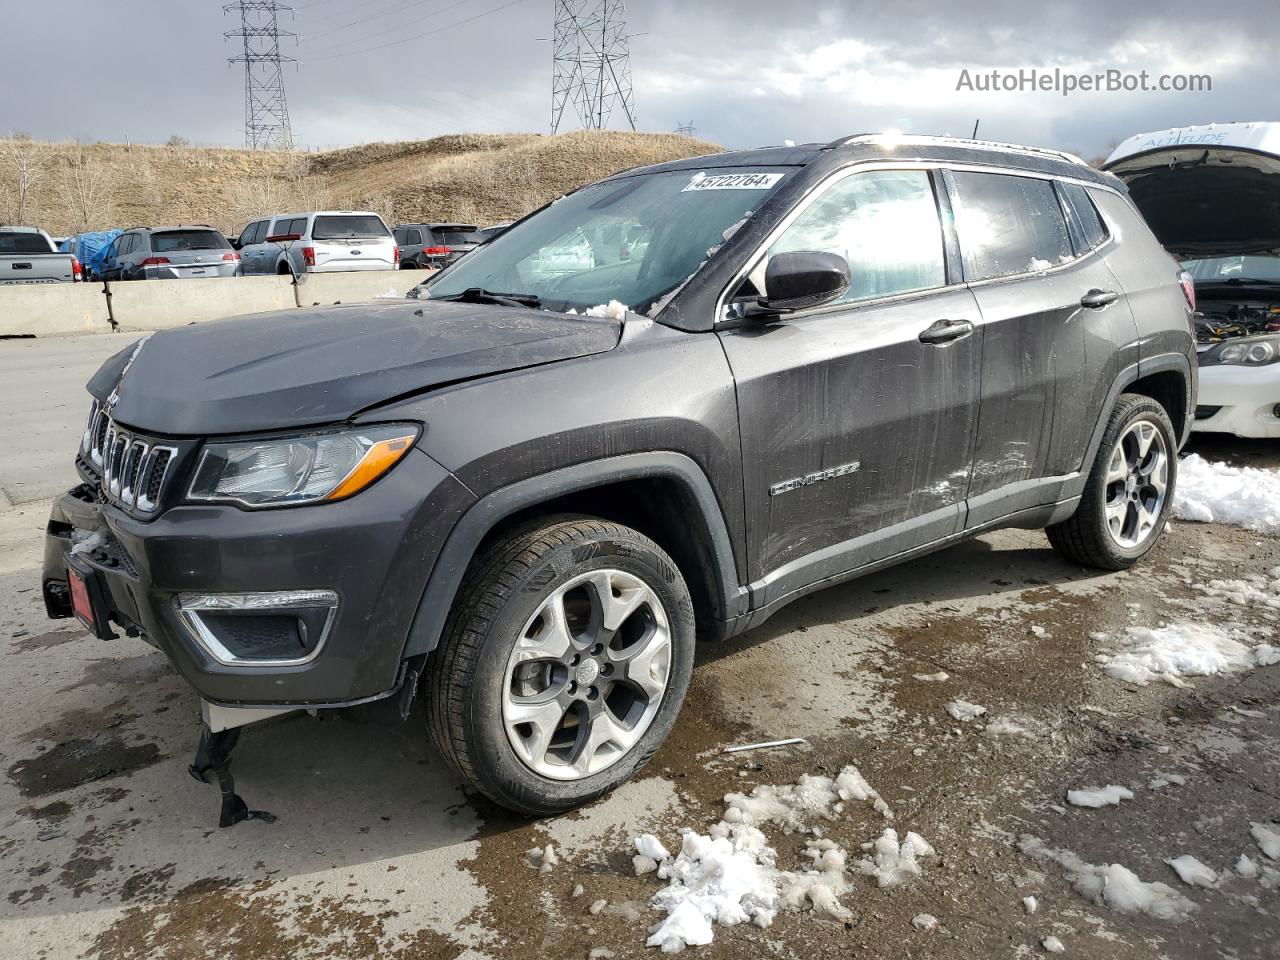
(266, 111)
(419, 36)
(398, 28)
(373, 16)
(591, 63)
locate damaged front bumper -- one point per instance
(274, 609)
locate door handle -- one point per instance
(1097, 299)
(944, 331)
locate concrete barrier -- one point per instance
(52, 308)
(160, 304)
(323, 289)
(44, 310)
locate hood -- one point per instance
(1205, 199)
(298, 368)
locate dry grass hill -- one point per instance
(482, 178)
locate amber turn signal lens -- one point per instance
(378, 459)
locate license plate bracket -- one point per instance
(89, 599)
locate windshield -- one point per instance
(24, 243)
(172, 240)
(349, 228)
(1240, 268)
(632, 240)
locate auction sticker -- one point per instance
(733, 181)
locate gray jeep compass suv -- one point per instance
(656, 410)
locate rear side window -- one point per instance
(1008, 225)
(406, 236)
(1085, 214)
(174, 240)
(297, 225)
(348, 227)
(24, 243)
(884, 223)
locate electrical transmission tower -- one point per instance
(266, 112)
(686, 129)
(592, 63)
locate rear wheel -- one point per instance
(1126, 500)
(564, 663)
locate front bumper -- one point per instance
(1238, 399)
(374, 551)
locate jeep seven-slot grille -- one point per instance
(131, 470)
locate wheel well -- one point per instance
(283, 268)
(660, 508)
(1168, 389)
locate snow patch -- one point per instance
(613, 310)
(1052, 944)
(1210, 491)
(794, 806)
(1192, 872)
(1108, 796)
(964, 711)
(925, 921)
(1008, 727)
(940, 677)
(1113, 886)
(543, 859)
(1267, 839)
(893, 862)
(1178, 650)
(85, 543)
(1246, 867)
(1030, 904)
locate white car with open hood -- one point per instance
(1211, 194)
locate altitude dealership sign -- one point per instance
(1066, 82)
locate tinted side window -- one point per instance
(884, 223)
(1008, 225)
(297, 225)
(413, 236)
(252, 234)
(1086, 214)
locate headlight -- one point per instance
(301, 469)
(1249, 352)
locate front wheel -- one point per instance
(563, 665)
(1127, 497)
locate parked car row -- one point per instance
(319, 241)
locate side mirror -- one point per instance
(803, 278)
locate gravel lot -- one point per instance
(108, 849)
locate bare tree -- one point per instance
(86, 191)
(24, 165)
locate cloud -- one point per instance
(747, 72)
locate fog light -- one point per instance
(1275, 411)
(281, 628)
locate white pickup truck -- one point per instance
(27, 255)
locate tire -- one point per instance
(1090, 536)
(475, 680)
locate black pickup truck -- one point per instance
(654, 411)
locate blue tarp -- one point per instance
(90, 248)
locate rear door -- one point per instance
(1051, 314)
(857, 418)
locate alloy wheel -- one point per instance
(1137, 482)
(587, 675)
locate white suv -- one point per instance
(323, 241)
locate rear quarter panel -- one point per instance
(1149, 276)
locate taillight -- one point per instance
(232, 256)
(1188, 289)
(154, 261)
(396, 257)
(77, 270)
(437, 251)
(309, 256)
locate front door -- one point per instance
(858, 418)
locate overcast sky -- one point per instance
(745, 72)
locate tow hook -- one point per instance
(213, 756)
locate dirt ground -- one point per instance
(108, 849)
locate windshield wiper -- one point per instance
(481, 295)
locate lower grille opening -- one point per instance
(1204, 412)
(259, 636)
